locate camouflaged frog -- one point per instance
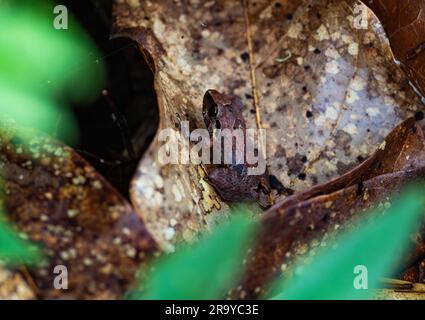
(232, 181)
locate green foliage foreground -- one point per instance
(42, 67)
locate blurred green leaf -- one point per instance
(15, 250)
(41, 66)
(376, 245)
(35, 110)
(37, 57)
(205, 270)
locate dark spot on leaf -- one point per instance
(359, 191)
(343, 139)
(275, 184)
(419, 116)
(272, 71)
(308, 114)
(281, 108)
(280, 151)
(245, 56)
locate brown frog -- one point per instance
(232, 181)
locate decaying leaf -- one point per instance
(61, 203)
(402, 150)
(308, 220)
(404, 23)
(326, 90)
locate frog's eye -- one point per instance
(210, 106)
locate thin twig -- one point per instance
(30, 281)
(252, 64)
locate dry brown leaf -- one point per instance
(327, 92)
(402, 150)
(404, 23)
(60, 202)
(311, 219)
